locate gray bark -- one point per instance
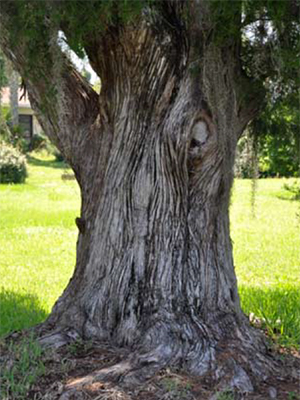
(153, 155)
(13, 80)
(4, 129)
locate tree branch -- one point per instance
(65, 103)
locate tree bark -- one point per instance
(154, 158)
(13, 98)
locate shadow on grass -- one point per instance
(19, 311)
(291, 191)
(289, 198)
(46, 163)
(275, 308)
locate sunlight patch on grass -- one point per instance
(267, 256)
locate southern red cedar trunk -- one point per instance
(157, 225)
(153, 156)
(154, 258)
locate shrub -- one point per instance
(38, 142)
(294, 189)
(13, 167)
(58, 156)
(13, 135)
(53, 150)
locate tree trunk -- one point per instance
(154, 158)
(154, 257)
(4, 131)
(13, 80)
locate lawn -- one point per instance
(266, 243)
(38, 239)
(37, 243)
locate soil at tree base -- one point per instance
(68, 364)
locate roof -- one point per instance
(5, 93)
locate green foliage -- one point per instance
(273, 25)
(271, 39)
(50, 150)
(276, 132)
(266, 37)
(38, 142)
(5, 133)
(258, 28)
(41, 145)
(23, 369)
(58, 156)
(294, 189)
(293, 396)
(226, 16)
(13, 135)
(275, 137)
(17, 140)
(13, 167)
(3, 78)
(78, 19)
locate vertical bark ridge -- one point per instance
(147, 184)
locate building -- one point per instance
(27, 118)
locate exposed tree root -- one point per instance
(59, 338)
(98, 369)
(235, 358)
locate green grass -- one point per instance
(23, 367)
(267, 256)
(37, 243)
(38, 238)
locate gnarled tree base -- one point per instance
(234, 356)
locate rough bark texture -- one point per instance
(13, 79)
(153, 155)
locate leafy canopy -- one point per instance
(265, 34)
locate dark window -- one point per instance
(25, 122)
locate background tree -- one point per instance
(278, 137)
(9, 77)
(4, 131)
(2, 82)
(153, 155)
(13, 82)
(3, 79)
(273, 138)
